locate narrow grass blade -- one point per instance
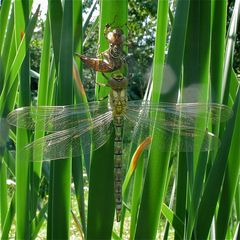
(44, 66)
(4, 13)
(233, 88)
(10, 162)
(136, 195)
(237, 233)
(137, 166)
(237, 202)
(219, 10)
(78, 162)
(196, 191)
(230, 183)
(78, 224)
(216, 174)
(229, 51)
(166, 232)
(4, 24)
(3, 191)
(115, 236)
(23, 212)
(3, 172)
(134, 162)
(101, 200)
(93, 28)
(38, 221)
(9, 219)
(51, 83)
(77, 26)
(9, 43)
(181, 192)
(61, 170)
(174, 220)
(90, 13)
(160, 43)
(10, 82)
(41, 101)
(196, 82)
(77, 173)
(215, 178)
(56, 16)
(149, 229)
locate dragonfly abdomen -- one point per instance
(118, 146)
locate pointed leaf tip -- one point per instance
(138, 152)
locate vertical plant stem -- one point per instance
(218, 47)
(101, 197)
(59, 216)
(41, 101)
(157, 172)
(3, 192)
(22, 11)
(215, 178)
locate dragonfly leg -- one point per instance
(102, 84)
(105, 76)
(103, 98)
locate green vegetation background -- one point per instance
(142, 29)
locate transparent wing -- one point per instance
(186, 113)
(183, 138)
(59, 144)
(187, 140)
(56, 118)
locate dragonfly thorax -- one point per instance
(118, 101)
(118, 82)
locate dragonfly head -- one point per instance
(118, 77)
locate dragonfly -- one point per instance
(68, 127)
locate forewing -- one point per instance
(56, 118)
(60, 144)
(184, 113)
